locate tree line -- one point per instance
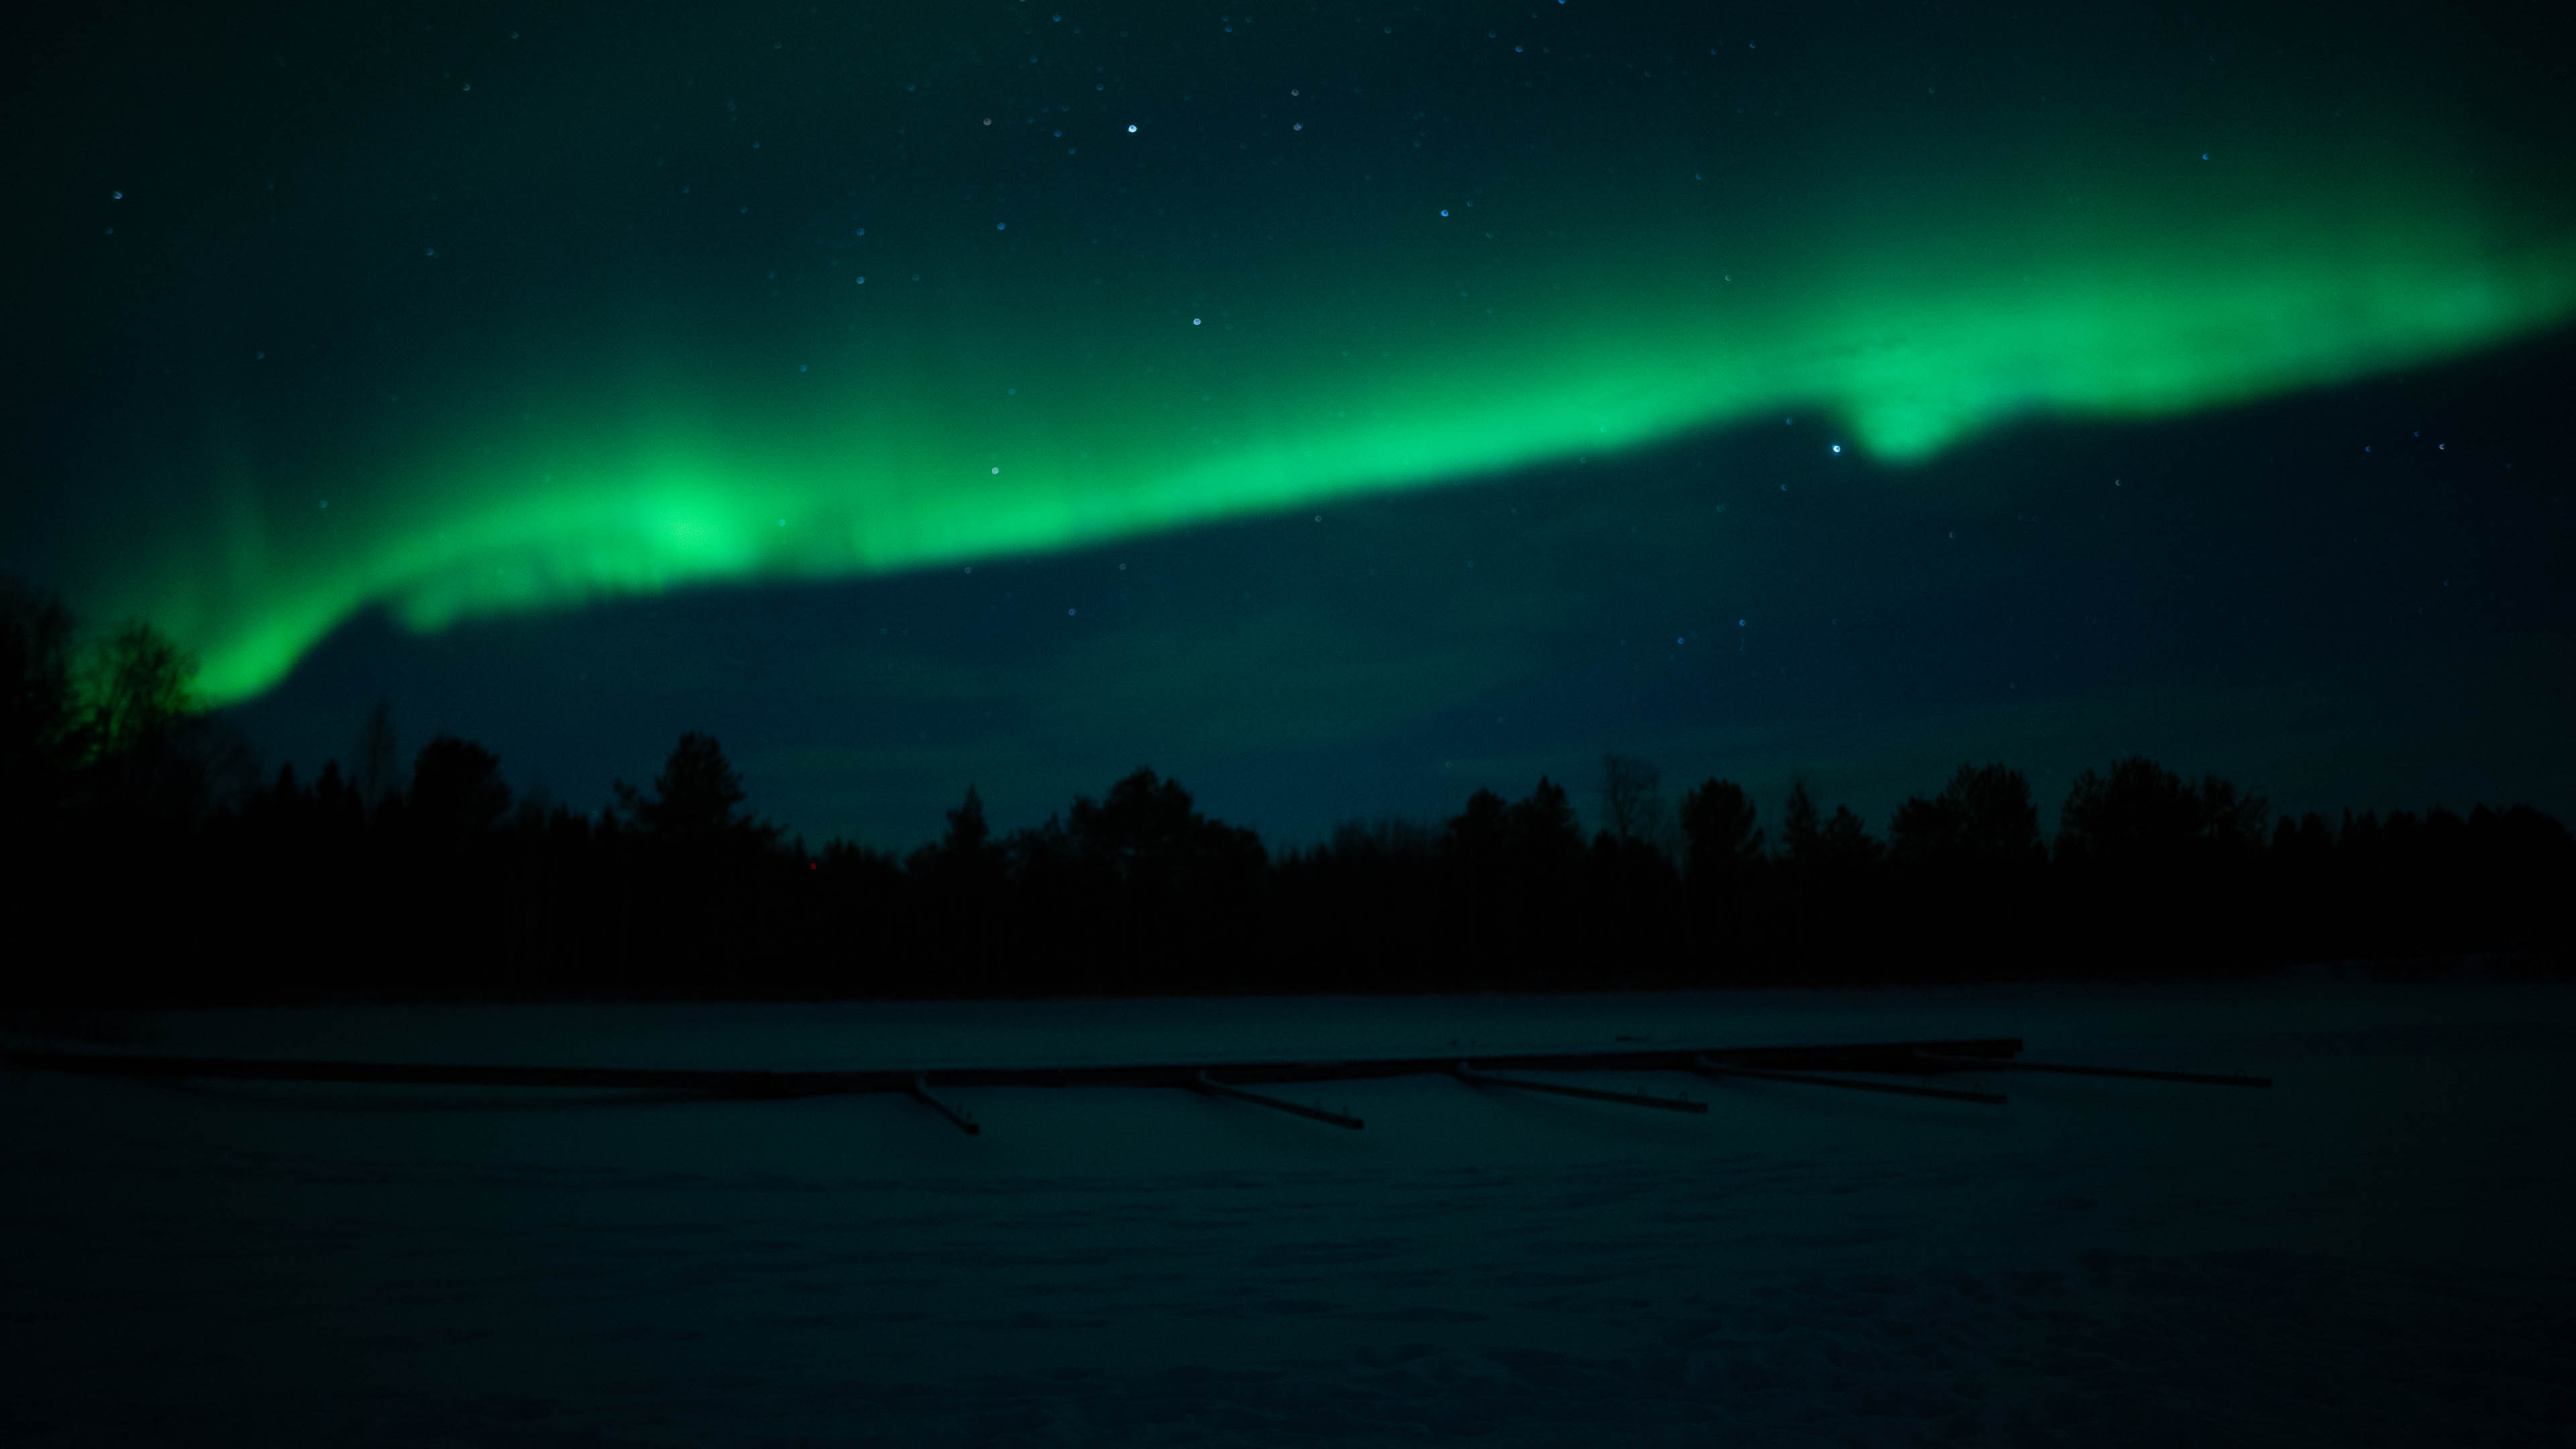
(162, 867)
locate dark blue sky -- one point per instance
(2358, 597)
(2334, 591)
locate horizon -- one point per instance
(1663, 793)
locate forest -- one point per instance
(158, 865)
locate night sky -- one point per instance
(1338, 407)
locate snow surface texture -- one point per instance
(2370, 1253)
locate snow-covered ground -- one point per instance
(2374, 1251)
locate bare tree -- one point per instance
(151, 751)
(141, 685)
(40, 717)
(1632, 801)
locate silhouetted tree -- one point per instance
(378, 755)
(1541, 831)
(1845, 842)
(2307, 839)
(1966, 870)
(2232, 821)
(700, 879)
(1983, 817)
(1479, 833)
(682, 891)
(863, 935)
(1389, 839)
(1718, 834)
(457, 791)
(961, 880)
(140, 686)
(696, 798)
(1511, 885)
(40, 724)
(1801, 834)
(2160, 873)
(1632, 802)
(968, 832)
(1799, 823)
(1172, 883)
(1634, 891)
(330, 791)
(1825, 876)
(153, 760)
(1343, 913)
(2142, 811)
(1147, 833)
(1722, 856)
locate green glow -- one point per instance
(699, 462)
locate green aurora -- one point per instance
(1019, 387)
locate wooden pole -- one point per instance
(428, 1074)
(1466, 1073)
(1709, 1068)
(1866, 1056)
(1213, 1087)
(957, 1115)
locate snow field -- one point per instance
(2368, 1253)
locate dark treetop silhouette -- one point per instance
(146, 830)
